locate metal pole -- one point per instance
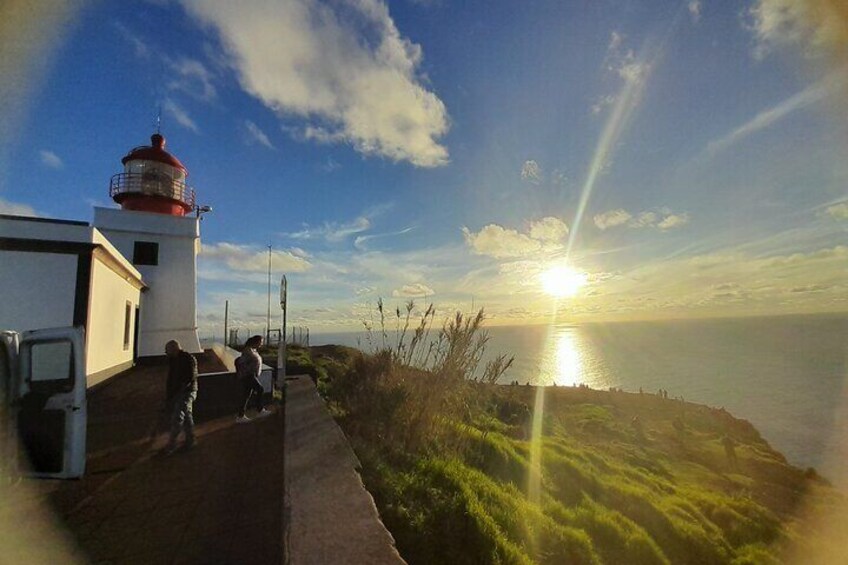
(226, 321)
(281, 349)
(268, 316)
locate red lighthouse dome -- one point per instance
(153, 181)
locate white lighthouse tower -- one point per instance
(154, 229)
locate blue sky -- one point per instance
(687, 156)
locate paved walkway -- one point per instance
(330, 517)
(219, 503)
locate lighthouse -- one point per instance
(155, 228)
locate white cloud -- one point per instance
(673, 221)
(252, 259)
(257, 135)
(191, 77)
(531, 172)
(543, 235)
(413, 291)
(662, 219)
(50, 159)
(644, 220)
(333, 231)
(612, 218)
(695, 10)
(500, 243)
(838, 211)
(817, 26)
(180, 115)
(344, 67)
(548, 229)
(16, 209)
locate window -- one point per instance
(51, 367)
(146, 253)
(127, 318)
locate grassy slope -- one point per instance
(657, 489)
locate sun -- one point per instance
(562, 281)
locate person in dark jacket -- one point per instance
(181, 391)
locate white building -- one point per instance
(130, 279)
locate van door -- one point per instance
(8, 394)
(52, 410)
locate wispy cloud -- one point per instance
(255, 135)
(807, 97)
(361, 240)
(333, 231)
(612, 218)
(17, 209)
(142, 50)
(694, 7)
(663, 219)
(344, 68)
(190, 77)
(245, 263)
(50, 159)
(180, 115)
(838, 211)
(672, 221)
(531, 172)
(416, 290)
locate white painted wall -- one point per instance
(110, 292)
(37, 290)
(168, 307)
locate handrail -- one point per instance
(152, 184)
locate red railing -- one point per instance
(146, 183)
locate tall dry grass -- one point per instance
(411, 393)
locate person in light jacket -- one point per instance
(248, 369)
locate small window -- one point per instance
(146, 253)
(127, 319)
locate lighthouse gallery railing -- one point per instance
(155, 185)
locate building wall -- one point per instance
(106, 352)
(56, 273)
(168, 307)
(37, 290)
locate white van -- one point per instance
(43, 403)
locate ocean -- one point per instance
(787, 375)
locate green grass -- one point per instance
(624, 478)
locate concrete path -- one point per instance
(330, 517)
(219, 503)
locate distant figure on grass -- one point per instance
(248, 369)
(181, 391)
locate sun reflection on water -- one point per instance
(562, 363)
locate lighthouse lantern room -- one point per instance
(154, 227)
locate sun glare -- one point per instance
(562, 281)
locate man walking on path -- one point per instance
(248, 369)
(181, 394)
